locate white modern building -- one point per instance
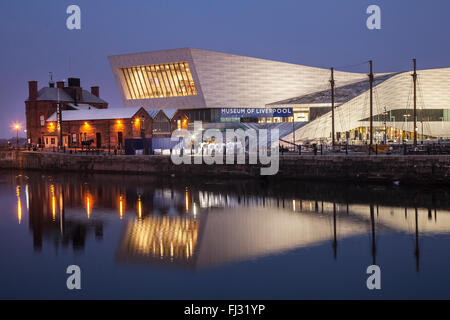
(217, 87)
(392, 110)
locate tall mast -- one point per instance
(371, 102)
(332, 106)
(414, 75)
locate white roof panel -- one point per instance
(97, 114)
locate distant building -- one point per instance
(41, 104)
(219, 87)
(224, 89)
(104, 128)
(86, 117)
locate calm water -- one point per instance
(140, 237)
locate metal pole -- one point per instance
(332, 107)
(293, 130)
(59, 121)
(371, 103)
(17, 136)
(414, 75)
(385, 125)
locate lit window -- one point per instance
(159, 81)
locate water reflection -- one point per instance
(193, 224)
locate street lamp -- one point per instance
(17, 126)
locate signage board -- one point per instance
(256, 112)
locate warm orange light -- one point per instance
(139, 208)
(118, 121)
(121, 207)
(17, 126)
(52, 190)
(187, 200)
(86, 124)
(88, 205)
(19, 205)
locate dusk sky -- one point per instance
(323, 33)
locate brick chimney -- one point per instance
(60, 84)
(32, 90)
(95, 91)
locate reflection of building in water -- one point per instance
(53, 218)
(404, 219)
(203, 226)
(227, 235)
(159, 238)
(229, 232)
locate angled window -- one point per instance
(158, 81)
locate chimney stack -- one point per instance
(95, 91)
(32, 90)
(60, 84)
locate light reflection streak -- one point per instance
(121, 207)
(19, 205)
(88, 205)
(139, 207)
(52, 191)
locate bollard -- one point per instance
(321, 149)
(346, 148)
(376, 149)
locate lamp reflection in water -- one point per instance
(187, 200)
(88, 205)
(52, 191)
(139, 207)
(19, 205)
(121, 207)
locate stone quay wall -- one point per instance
(417, 169)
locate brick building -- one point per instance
(41, 104)
(104, 128)
(86, 117)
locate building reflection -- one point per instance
(159, 239)
(197, 226)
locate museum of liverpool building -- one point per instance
(226, 90)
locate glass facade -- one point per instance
(407, 115)
(158, 81)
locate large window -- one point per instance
(161, 124)
(159, 81)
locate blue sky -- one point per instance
(34, 38)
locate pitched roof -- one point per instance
(152, 112)
(169, 112)
(97, 114)
(341, 94)
(51, 94)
